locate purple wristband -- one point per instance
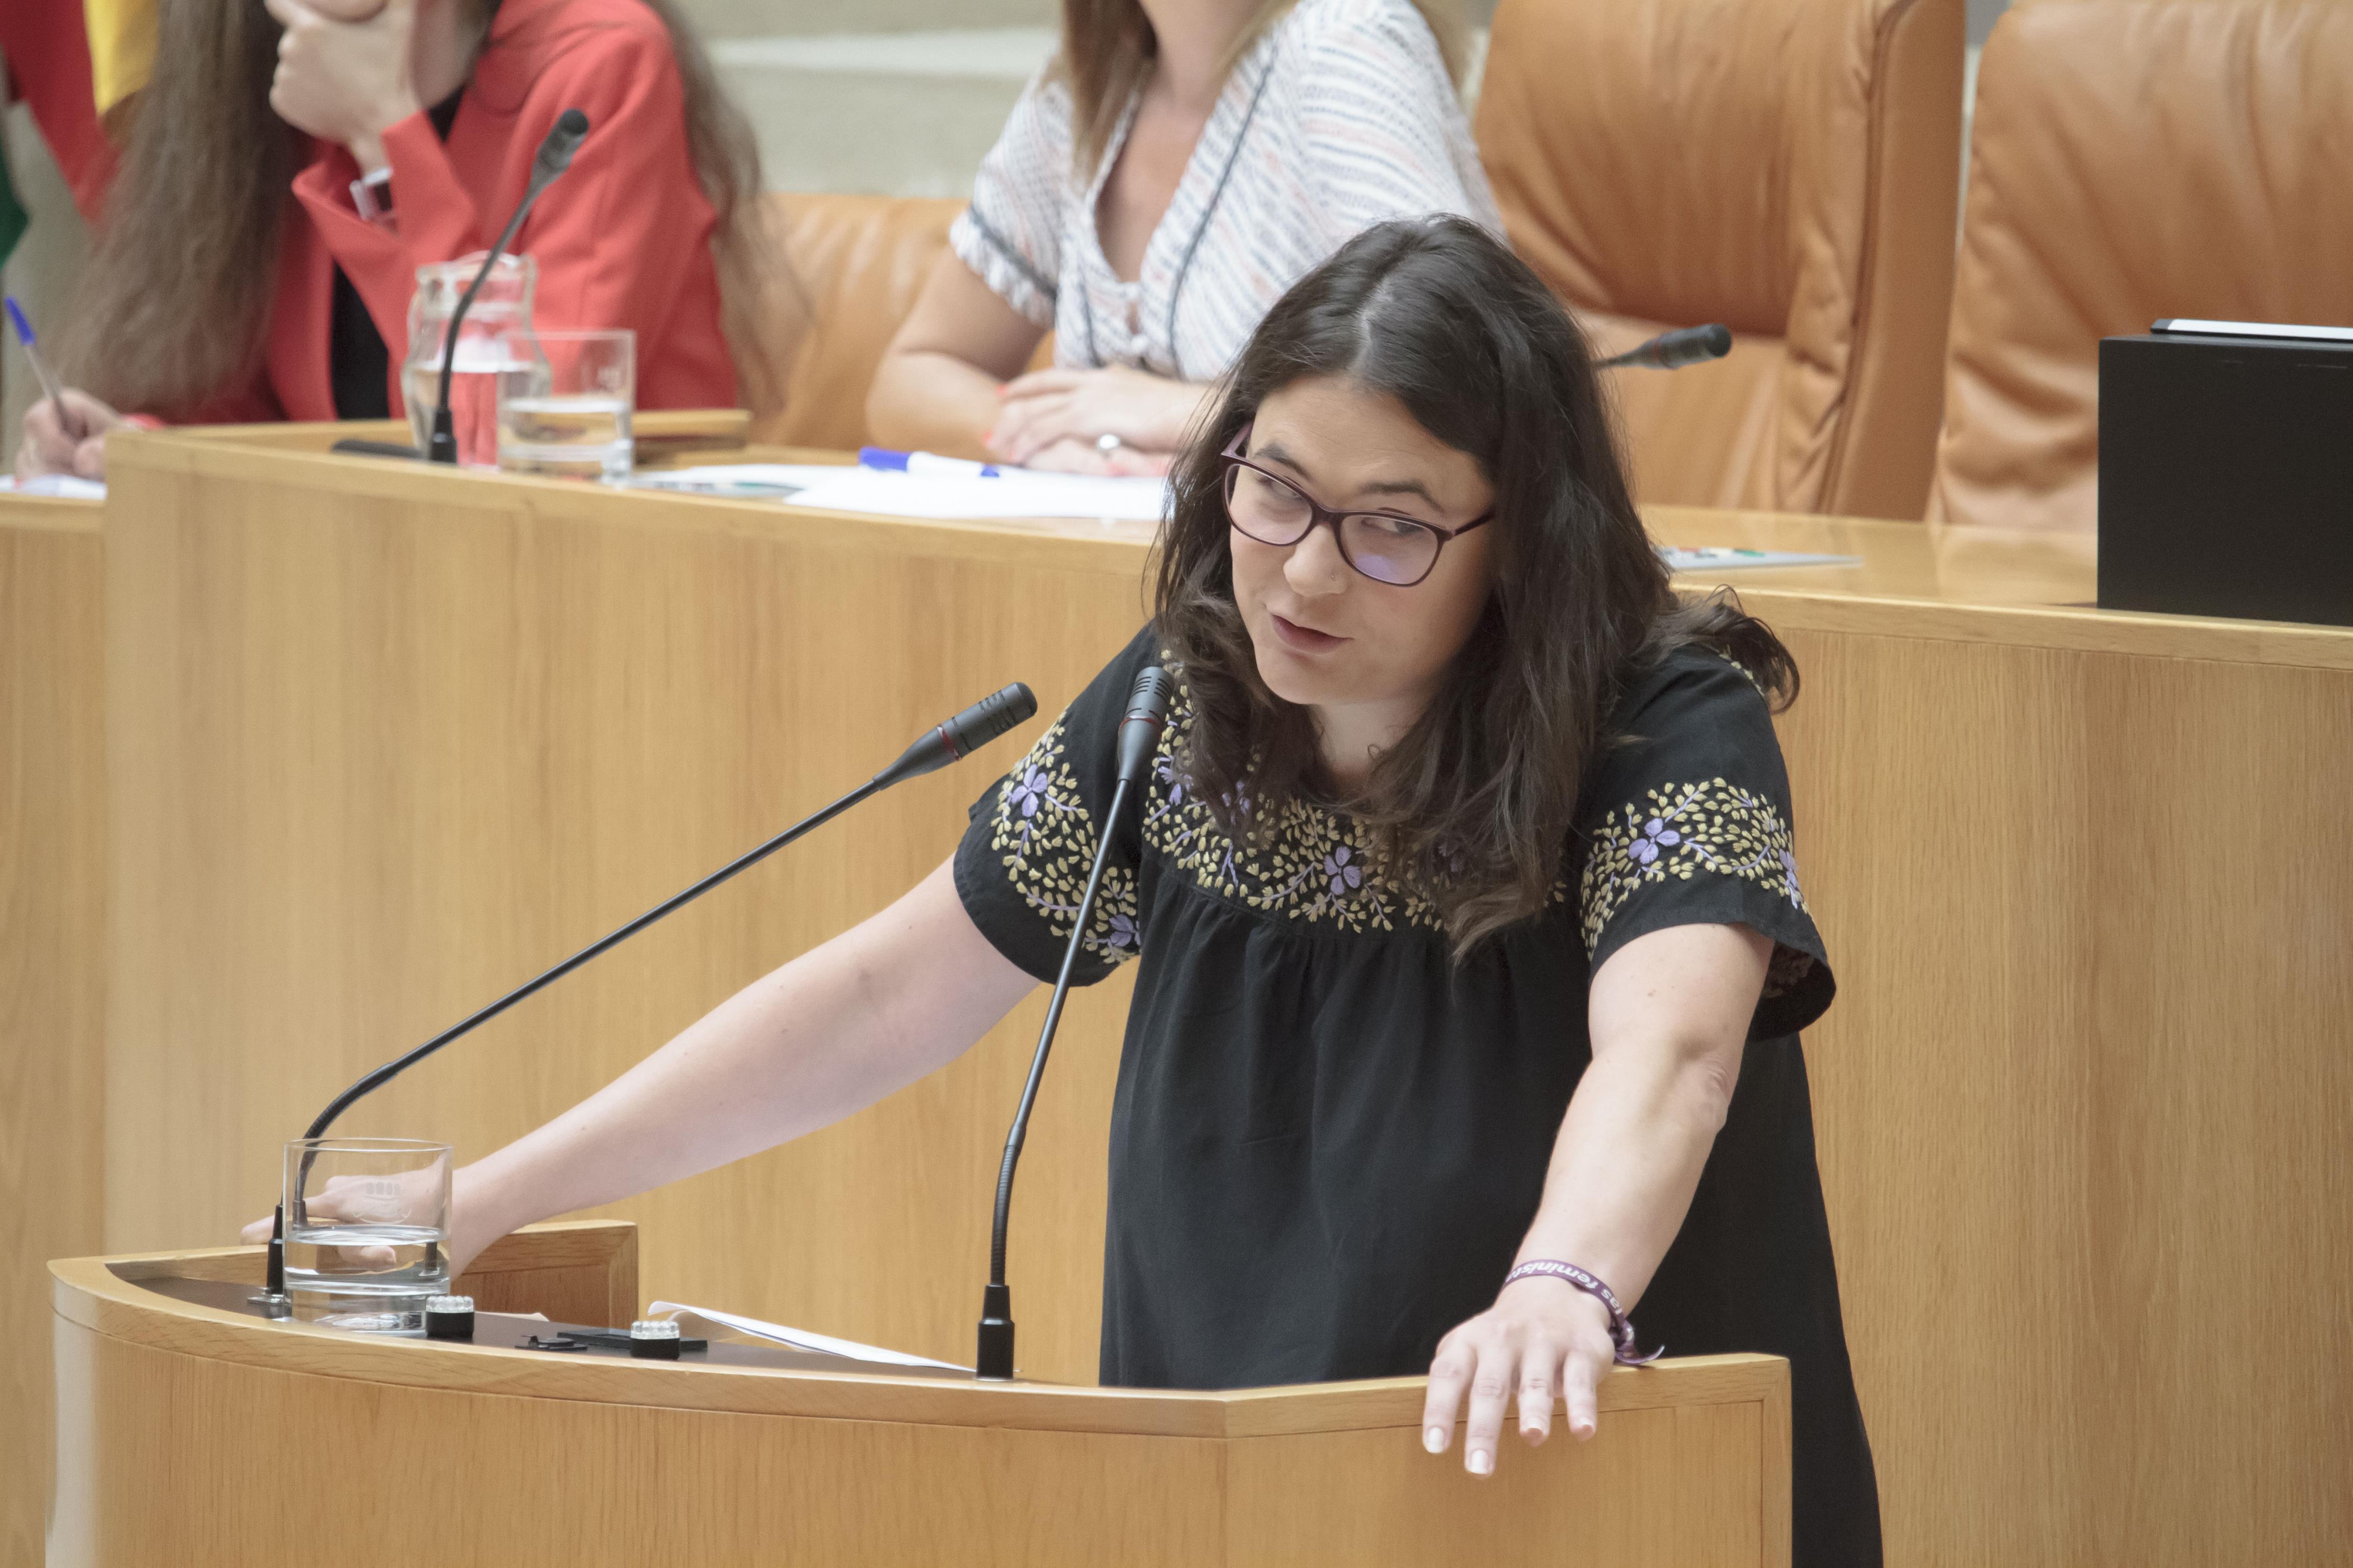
(1621, 1327)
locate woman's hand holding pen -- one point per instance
(65, 440)
(345, 79)
(1540, 1342)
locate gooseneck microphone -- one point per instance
(554, 156)
(943, 744)
(1673, 351)
(1139, 733)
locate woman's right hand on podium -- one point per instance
(342, 1200)
(898, 996)
(69, 442)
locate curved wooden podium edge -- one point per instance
(95, 1294)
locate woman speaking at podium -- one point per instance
(1471, 942)
(290, 169)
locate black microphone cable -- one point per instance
(554, 157)
(935, 749)
(1139, 733)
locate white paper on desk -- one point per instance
(750, 479)
(887, 493)
(66, 485)
(724, 1323)
(1714, 558)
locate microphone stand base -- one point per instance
(274, 1304)
(995, 1362)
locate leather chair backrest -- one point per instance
(858, 262)
(2133, 160)
(1787, 167)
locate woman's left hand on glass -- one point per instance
(1058, 419)
(1541, 1341)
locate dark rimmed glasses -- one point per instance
(1386, 546)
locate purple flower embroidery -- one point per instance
(1345, 874)
(1165, 769)
(1654, 837)
(1789, 876)
(1122, 931)
(1028, 791)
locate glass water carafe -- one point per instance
(502, 307)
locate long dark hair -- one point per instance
(177, 303)
(1472, 806)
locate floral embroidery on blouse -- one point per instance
(1045, 838)
(1314, 866)
(1687, 828)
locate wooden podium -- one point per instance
(193, 1434)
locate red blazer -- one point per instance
(623, 239)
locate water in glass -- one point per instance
(581, 437)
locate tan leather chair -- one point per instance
(2133, 160)
(859, 263)
(1787, 167)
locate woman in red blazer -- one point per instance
(287, 174)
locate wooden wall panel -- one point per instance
(2084, 1102)
(52, 945)
(390, 742)
(384, 762)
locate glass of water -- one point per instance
(564, 403)
(367, 1231)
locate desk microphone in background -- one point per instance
(1139, 733)
(554, 157)
(956, 739)
(1673, 351)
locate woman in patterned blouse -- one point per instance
(1178, 165)
(1471, 951)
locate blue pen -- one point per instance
(40, 367)
(925, 465)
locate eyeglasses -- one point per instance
(1386, 546)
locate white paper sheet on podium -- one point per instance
(60, 486)
(743, 481)
(1017, 494)
(1719, 558)
(718, 1325)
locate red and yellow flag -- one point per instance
(45, 47)
(121, 47)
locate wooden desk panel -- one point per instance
(170, 1410)
(2083, 1102)
(402, 737)
(52, 949)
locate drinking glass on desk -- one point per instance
(502, 307)
(367, 1231)
(564, 407)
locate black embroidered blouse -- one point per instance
(1326, 1144)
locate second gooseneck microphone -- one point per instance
(1673, 351)
(951, 742)
(554, 156)
(1139, 734)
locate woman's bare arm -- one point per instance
(1669, 1017)
(828, 1034)
(936, 388)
